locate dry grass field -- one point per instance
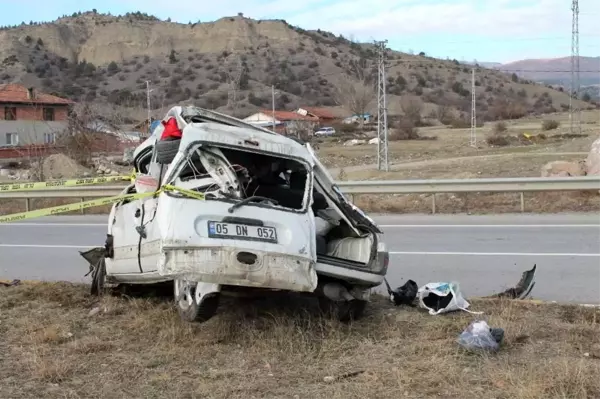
(52, 346)
(450, 157)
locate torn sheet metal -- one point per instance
(523, 287)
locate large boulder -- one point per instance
(563, 169)
(592, 163)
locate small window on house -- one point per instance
(12, 139)
(10, 113)
(48, 114)
(49, 138)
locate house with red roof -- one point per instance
(28, 116)
(324, 115)
(285, 122)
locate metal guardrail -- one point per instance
(517, 185)
(523, 184)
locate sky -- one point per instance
(466, 30)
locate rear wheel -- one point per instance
(192, 304)
(343, 311)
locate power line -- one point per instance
(382, 131)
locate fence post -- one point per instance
(433, 203)
(27, 205)
(82, 210)
(522, 202)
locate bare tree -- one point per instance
(443, 113)
(356, 92)
(412, 107)
(356, 96)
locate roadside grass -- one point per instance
(281, 347)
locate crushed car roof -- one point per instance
(247, 138)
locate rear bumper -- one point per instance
(222, 265)
(351, 272)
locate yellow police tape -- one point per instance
(63, 183)
(15, 217)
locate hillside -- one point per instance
(556, 70)
(230, 64)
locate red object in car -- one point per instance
(172, 131)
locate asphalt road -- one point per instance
(484, 254)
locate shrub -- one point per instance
(498, 140)
(499, 127)
(405, 130)
(550, 124)
(346, 128)
(460, 123)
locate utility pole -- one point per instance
(382, 131)
(235, 77)
(148, 104)
(574, 110)
(273, 106)
(473, 138)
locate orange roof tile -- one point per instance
(14, 93)
(320, 112)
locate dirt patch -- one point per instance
(282, 347)
(60, 166)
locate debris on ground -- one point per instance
(440, 298)
(331, 378)
(404, 295)
(523, 287)
(479, 336)
(13, 283)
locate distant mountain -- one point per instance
(233, 63)
(490, 65)
(555, 71)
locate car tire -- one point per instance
(189, 309)
(343, 311)
(166, 150)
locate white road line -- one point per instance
(596, 226)
(497, 254)
(46, 246)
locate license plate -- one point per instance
(241, 232)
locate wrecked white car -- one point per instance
(246, 208)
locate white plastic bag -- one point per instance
(479, 336)
(440, 298)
